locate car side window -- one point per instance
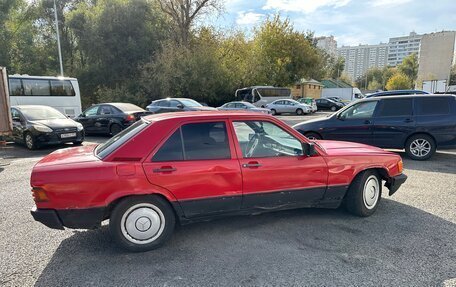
(395, 108)
(432, 106)
(173, 104)
(197, 141)
(363, 110)
(92, 111)
(265, 139)
(104, 110)
(278, 103)
(163, 103)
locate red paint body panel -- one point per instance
(75, 178)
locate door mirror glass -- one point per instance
(16, 119)
(308, 149)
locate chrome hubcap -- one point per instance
(29, 141)
(420, 147)
(142, 223)
(371, 192)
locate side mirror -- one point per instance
(81, 116)
(17, 119)
(180, 106)
(308, 149)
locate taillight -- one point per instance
(400, 166)
(39, 194)
(130, 118)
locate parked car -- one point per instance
(397, 93)
(418, 124)
(166, 169)
(176, 105)
(289, 106)
(236, 106)
(110, 118)
(328, 104)
(36, 126)
(309, 101)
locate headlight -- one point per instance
(80, 127)
(43, 129)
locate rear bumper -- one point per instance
(395, 182)
(89, 218)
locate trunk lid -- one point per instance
(69, 156)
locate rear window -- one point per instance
(116, 141)
(395, 108)
(124, 107)
(433, 106)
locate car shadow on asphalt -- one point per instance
(399, 245)
(443, 162)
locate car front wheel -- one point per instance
(142, 223)
(333, 108)
(273, 112)
(364, 193)
(299, 112)
(420, 147)
(29, 141)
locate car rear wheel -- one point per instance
(333, 108)
(364, 194)
(29, 141)
(312, 136)
(115, 129)
(142, 223)
(420, 147)
(299, 112)
(273, 112)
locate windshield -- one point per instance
(112, 144)
(190, 103)
(249, 105)
(41, 113)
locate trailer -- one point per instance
(6, 126)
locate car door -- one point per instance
(103, 120)
(275, 172)
(198, 165)
(393, 122)
(18, 125)
(288, 107)
(354, 124)
(279, 106)
(87, 119)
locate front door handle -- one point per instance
(164, 169)
(251, 164)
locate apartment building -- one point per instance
(401, 47)
(328, 44)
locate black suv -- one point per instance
(417, 123)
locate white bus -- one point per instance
(260, 96)
(57, 92)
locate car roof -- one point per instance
(30, 106)
(204, 115)
(407, 96)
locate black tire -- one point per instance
(115, 129)
(29, 141)
(420, 147)
(77, 142)
(361, 199)
(333, 108)
(273, 112)
(312, 135)
(299, 112)
(150, 205)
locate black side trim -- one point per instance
(395, 182)
(268, 200)
(216, 205)
(335, 192)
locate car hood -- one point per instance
(69, 156)
(56, 123)
(312, 122)
(348, 148)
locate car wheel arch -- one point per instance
(312, 132)
(175, 207)
(381, 171)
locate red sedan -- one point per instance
(185, 167)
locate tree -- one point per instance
(398, 81)
(184, 13)
(409, 67)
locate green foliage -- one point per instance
(409, 67)
(398, 81)
(375, 78)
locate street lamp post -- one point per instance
(58, 39)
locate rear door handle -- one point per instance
(251, 164)
(164, 169)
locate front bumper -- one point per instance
(395, 182)
(54, 138)
(88, 218)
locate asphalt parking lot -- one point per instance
(410, 241)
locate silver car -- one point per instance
(236, 106)
(289, 106)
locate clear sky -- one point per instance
(352, 22)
